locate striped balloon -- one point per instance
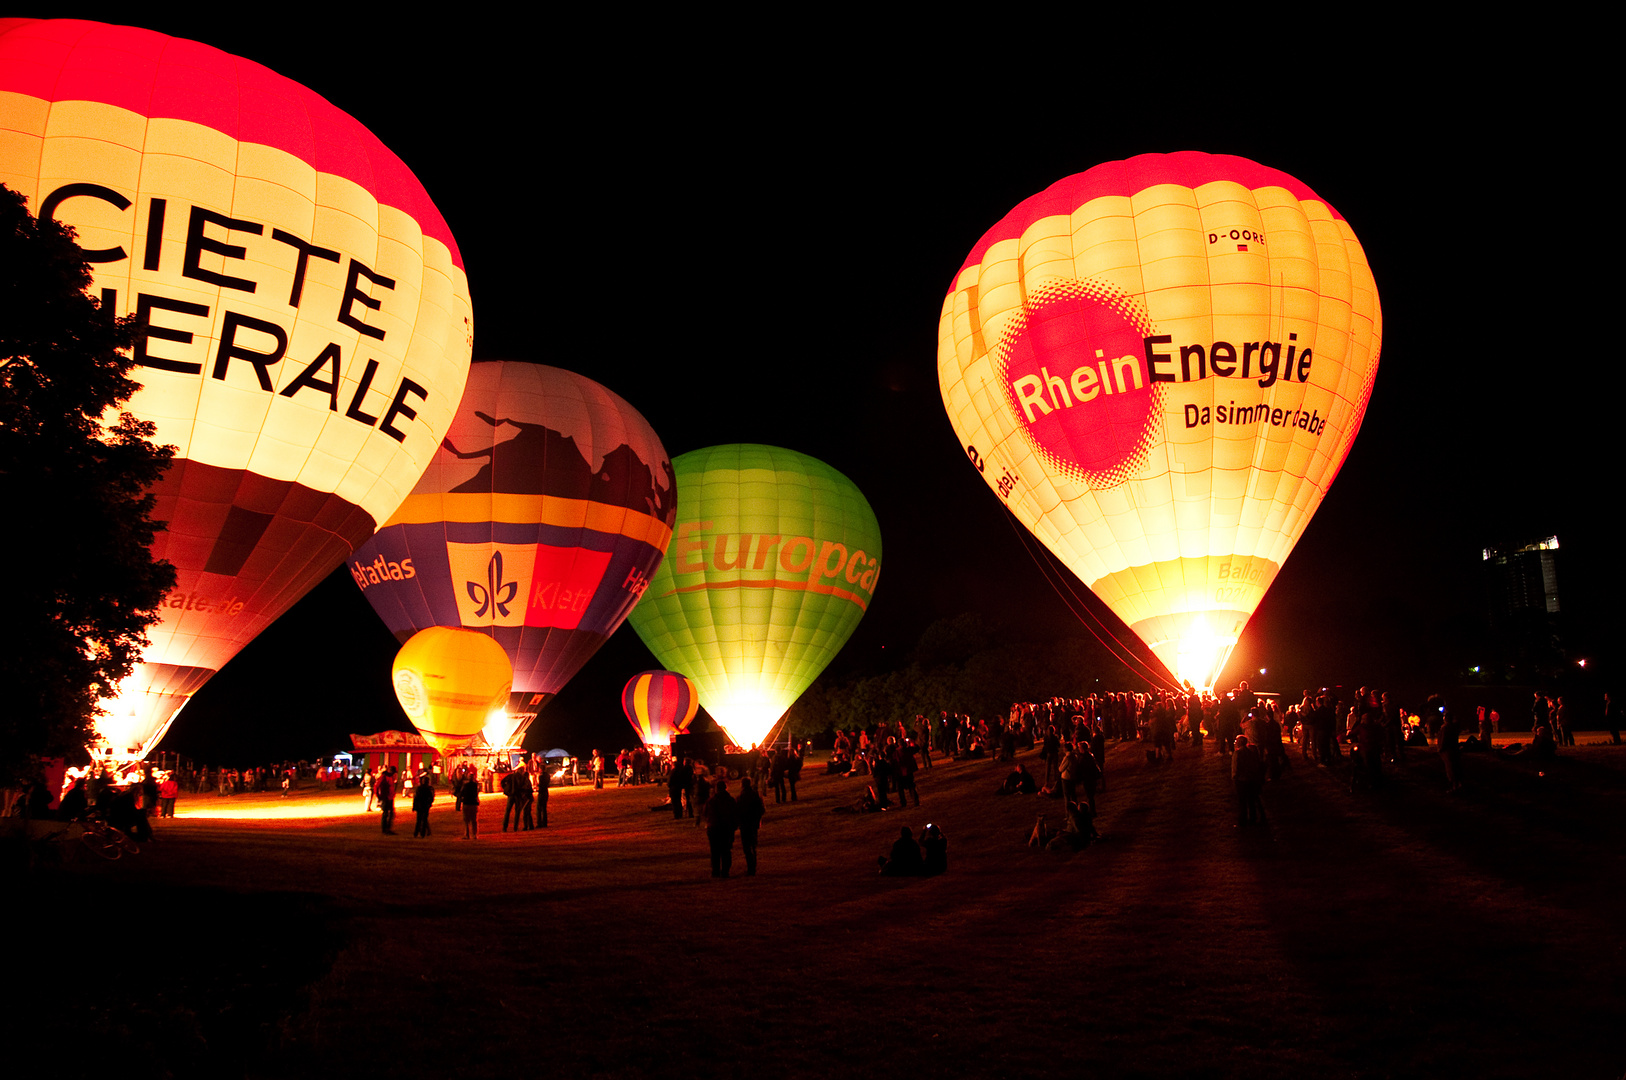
(659, 704)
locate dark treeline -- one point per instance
(964, 664)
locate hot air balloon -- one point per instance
(307, 308)
(538, 522)
(1159, 366)
(659, 704)
(774, 561)
(449, 682)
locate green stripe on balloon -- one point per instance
(774, 559)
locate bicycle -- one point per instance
(104, 840)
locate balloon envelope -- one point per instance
(449, 682)
(659, 704)
(308, 309)
(774, 561)
(1159, 366)
(538, 522)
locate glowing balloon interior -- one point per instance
(659, 704)
(775, 559)
(538, 522)
(449, 682)
(1159, 366)
(309, 320)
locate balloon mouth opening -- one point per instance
(1197, 653)
(747, 721)
(138, 715)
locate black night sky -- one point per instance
(751, 242)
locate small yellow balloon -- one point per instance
(449, 682)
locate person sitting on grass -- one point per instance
(1018, 782)
(905, 860)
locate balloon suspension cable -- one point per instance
(1058, 579)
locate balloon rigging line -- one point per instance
(1081, 611)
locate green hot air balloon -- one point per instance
(773, 562)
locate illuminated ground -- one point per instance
(1411, 934)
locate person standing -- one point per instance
(386, 800)
(1248, 774)
(722, 818)
(511, 783)
(423, 797)
(793, 766)
(751, 810)
(677, 784)
(540, 782)
(169, 789)
(468, 800)
(776, 773)
(1451, 751)
(598, 769)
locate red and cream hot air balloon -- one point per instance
(1159, 366)
(308, 320)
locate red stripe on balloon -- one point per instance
(156, 75)
(1189, 168)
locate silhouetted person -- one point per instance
(935, 845)
(905, 860)
(1248, 773)
(722, 818)
(423, 797)
(677, 782)
(751, 810)
(386, 800)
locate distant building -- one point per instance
(1522, 606)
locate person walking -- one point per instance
(751, 810)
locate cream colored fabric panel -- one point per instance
(234, 422)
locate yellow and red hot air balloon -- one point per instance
(449, 683)
(1159, 366)
(659, 704)
(308, 321)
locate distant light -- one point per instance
(1583, 663)
(1475, 669)
(1261, 671)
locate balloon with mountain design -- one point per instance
(775, 560)
(306, 307)
(538, 523)
(1159, 366)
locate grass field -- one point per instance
(1402, 933)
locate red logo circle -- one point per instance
(1073, 366)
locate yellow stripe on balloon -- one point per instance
(482, 507)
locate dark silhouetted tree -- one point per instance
(73, 480)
